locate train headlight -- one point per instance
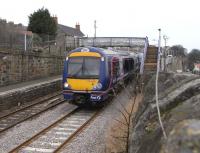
(66, 85)
(98, 86)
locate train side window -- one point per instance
(132, 64)
(109, 68)
(129, 65)
(126, 65)
(116, 68)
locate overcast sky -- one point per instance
(178, 19)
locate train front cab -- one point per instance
(85, 78)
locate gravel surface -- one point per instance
(93, 138)
(25, 130)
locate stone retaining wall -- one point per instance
(11, 98)
(19, 66)
(178, 101)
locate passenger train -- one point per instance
(91, 74)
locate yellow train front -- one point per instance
(90, 74)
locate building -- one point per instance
(67, 38)
(196, 69)
(12, 36)
(172, 60)
(69, 31)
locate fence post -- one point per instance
(11, 42)
(25, 41)
(65, 42)
(32, 41)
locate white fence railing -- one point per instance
(144, 56)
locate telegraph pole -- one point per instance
(95, 28)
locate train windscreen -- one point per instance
(84, 67)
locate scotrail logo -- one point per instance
(95, 97)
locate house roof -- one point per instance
(70, 31)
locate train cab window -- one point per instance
(92, 66)
(83, 67)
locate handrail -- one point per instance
(144, 56)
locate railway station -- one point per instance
(64, 91)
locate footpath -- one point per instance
(20, 93)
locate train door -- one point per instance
(115, 69)
(128, 65)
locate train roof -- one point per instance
(104, 52)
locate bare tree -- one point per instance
(127, 113)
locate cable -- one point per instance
(157, 75)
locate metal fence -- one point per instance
(14, 41)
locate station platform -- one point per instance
(20, 93)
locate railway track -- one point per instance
(53, 138)
(10, 120)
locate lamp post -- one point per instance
(95, 28)
(164, 54)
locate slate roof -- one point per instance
(69, 30)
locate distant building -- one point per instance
(69, 31)
(67, 37)
(196, 68)
(13, 36)
(172, 61)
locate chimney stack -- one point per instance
(55, 18)
(77, 26)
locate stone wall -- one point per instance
(28, 93)
(174, 64)
(19, 66)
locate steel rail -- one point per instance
(31, 116)
(26, 143)
(31, 105)
(27, 118)
(79, 130)
(68, 139)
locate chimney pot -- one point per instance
(55, 19)
(77, 26)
